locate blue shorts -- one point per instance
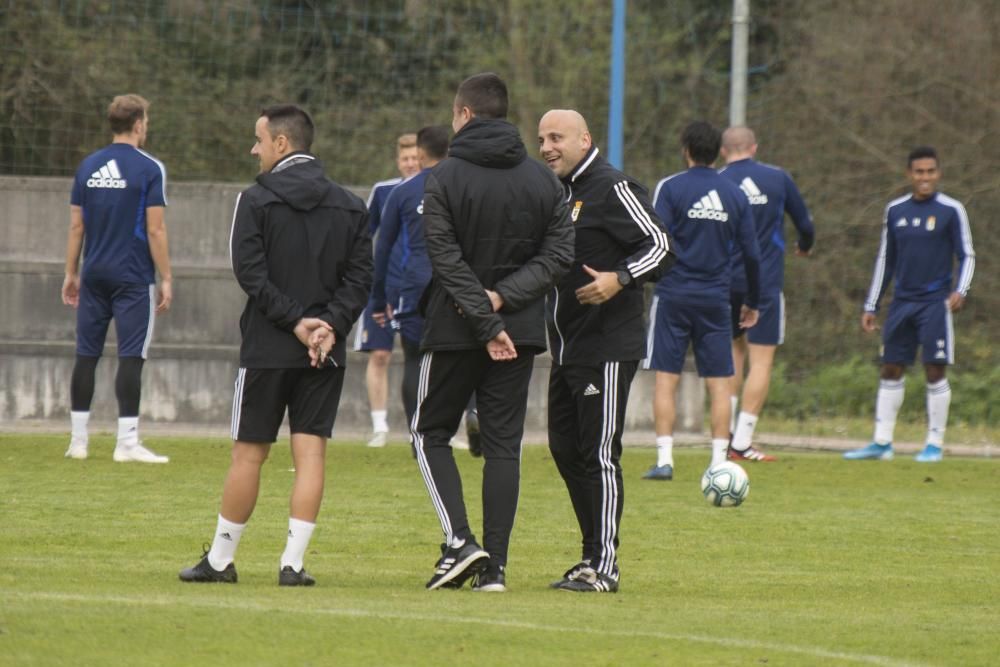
(924, 323)
(370, 336)
(770, 327)
(132, 308)
(673, 324)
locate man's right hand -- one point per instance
(71, 290)
(501, 348)
(321, 342)
(868, 323)
(382, 317)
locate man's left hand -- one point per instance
(496, 301)
(166, 295)
(604, 286)
(955, 302)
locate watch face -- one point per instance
(624, 277)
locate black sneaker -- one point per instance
(589, 580)
(289, 577)
(472, 433)
(491, 580)
(205, 573)
(570, 574)
(457, 564)
(457, 582)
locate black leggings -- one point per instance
(128, 384)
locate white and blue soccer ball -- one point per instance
(725, 484)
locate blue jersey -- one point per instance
(376, 202)
(919, 240)
(114, 187)
(708, 217)
(771, 193)
(402, 227)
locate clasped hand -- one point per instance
(318, 337)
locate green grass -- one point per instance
(827, 563)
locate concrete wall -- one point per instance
(193, 359)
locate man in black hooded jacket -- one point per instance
(301, 252)
(499, 237)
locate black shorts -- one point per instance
(311, 396)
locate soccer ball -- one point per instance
(725, 484)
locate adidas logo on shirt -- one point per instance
(709, 208)
(753, 193)
(107, 176)
(591, 390)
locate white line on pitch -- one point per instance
(243, 605)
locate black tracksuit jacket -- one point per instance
(493, 219)
(616, 230)
(300, 248)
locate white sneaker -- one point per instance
(378, 439)
(137, 453)
(77, 449)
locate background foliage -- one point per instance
(839, 92)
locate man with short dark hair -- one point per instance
(771, 193)
(117, 208)
(499, 237)
(596, 337)
(301, 252)
(369, 336)
(402, 221)
(922, 233)
(706, 215)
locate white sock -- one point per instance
(128, 431)
(743, 435)
(734, 402)
(887, 404)
(227, 538)
(299, 534)
(719, 447)
(664, 450)
(78, 425)
(380, 423)
(938, 402)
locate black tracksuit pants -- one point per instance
(586, 421)
(448, 380)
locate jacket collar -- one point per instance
(292, 159)
(585, 163)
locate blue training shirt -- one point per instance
(376, 202)
(771, 193)
(708, 217)
(402, 227)
(114, 186)
(919, 239)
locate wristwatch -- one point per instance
(624, 278)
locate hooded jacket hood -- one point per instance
(299, 180)
(489, 142)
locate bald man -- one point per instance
(596, 336)
(772, 194)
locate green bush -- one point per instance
(847, 389)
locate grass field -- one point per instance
(827, 563)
